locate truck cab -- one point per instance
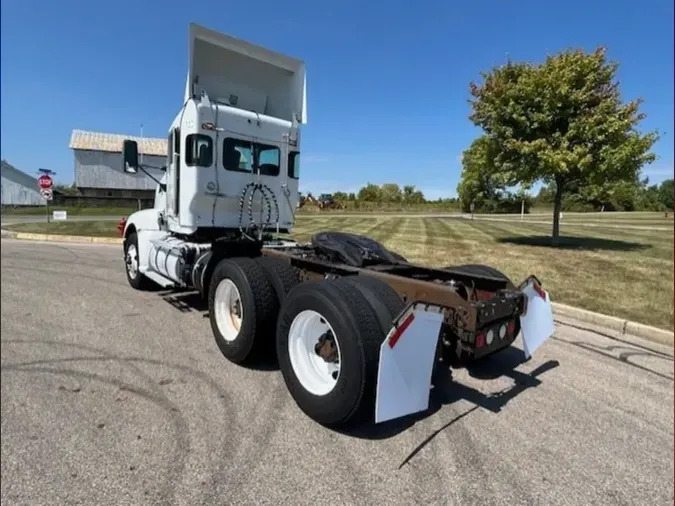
(238, 128)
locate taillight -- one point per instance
(480, 340)
(502, 331)
(511, 327)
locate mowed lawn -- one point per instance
(86, 228)
(601, 264)
(625, 273)
(610, 220)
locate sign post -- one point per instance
(46, 186)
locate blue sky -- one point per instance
(387, 86)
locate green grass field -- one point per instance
(106, 228)
(622, 272)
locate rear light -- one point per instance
(511, 328)
(502, 331)
(480, 340)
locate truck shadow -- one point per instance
(448, 391)
(189, 301)
(185, 301)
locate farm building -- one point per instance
(98, 165)
(18, 188)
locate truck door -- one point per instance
(173, 174)
(291, 190)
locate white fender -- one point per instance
(537, 324)
(407, 357)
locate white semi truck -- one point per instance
(356, 328)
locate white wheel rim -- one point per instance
(317, 375)
(132, 261)
(228, 309)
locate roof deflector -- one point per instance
(240, 74)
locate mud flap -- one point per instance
(407, 357)
(536, 324)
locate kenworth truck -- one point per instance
(356, 328)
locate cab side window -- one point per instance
(198, 150)
(294, 164)
(269, 158)
(237, 155)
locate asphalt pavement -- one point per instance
(116, 397)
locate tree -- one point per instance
(66, 189)
(370, 193)
(561, 122)
(390, 192)
(411, 195)
(480, 181)
(339, 199)
(665, 192)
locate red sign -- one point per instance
(45, 182)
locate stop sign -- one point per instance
(45, 182)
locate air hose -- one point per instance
(269, 203)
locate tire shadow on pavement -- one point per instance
(447, 391)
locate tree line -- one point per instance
(490, 199)
(375, 196)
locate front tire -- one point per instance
(131, 261)
(242, 309)
(328, 342)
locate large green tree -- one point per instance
(561, 122)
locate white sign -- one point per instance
(60, 215)
(47, 194)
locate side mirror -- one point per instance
(130, 156)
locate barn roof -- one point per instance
(11, 172)
(8, 170)
(112, 143)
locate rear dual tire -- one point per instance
(244, 298)
(248, 297)
(329, 394)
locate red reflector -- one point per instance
(480, 340)
(540, 291)
(401, 329)
(511, 327)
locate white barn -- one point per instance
(98, 165)
(18, 188)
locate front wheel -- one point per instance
(134, 276)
